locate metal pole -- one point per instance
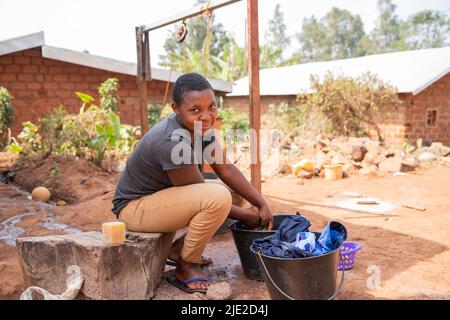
(141, 79)
(254, 98)
(195, 11)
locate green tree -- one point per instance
(387, 34)
(336, 36)
(276, 41)
(427, 29)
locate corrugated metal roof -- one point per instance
(80, 58)
(407, 71)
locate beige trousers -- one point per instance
(202, 207)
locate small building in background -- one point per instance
(421, 78)
(41, 77)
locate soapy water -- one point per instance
(49, 223)
(10, 231)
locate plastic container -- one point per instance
(348, 253)
(333, 172)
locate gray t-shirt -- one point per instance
(166, 146)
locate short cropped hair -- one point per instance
(186, 83)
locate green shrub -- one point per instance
(108, 94)
(6, 115)
(349, 106)
(154, 113)
(90, 134)
(232, 119)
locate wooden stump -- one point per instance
(131, 270)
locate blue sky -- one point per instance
(106, 27)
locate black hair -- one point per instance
(186, 83)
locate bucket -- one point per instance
(333, 171)
(243, 239)
(311, 278)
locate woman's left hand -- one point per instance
(266, 217)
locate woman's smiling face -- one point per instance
(197, 106)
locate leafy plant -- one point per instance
(108, 94)
(6, 114)
(232, 119)
(154, 113)
(91, 134)
(347, 106)
(51, 130)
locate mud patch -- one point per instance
(68, 178)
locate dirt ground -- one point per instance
(407, 250)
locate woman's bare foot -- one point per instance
(186, 270)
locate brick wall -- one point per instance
(39, 84)
(436, 97)
(241, 103)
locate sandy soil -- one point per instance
(410, 248)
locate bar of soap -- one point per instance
(113, 232)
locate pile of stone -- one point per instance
(362, 156)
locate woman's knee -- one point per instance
(219, 196)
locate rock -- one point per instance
(389, 153)
(358, 153)
(373, 147)
(427, 156)
(131, 270)
(305, 174)
(378, 159)
(370, 156)
(322, 173)
(445, 151)
(446, 160)
(368, 170)
(219, 291)
(423, 150)
(345, 148)
(285, 169)
(61, 203)
(311, 149)
(411, 161)
(320, 160)
(439, 149)
(325, 149)
(339, 158)
(349, 169)
(392, 165)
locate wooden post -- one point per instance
(141, 79)
(254, 98)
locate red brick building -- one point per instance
(41, 77)
(421, 77)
